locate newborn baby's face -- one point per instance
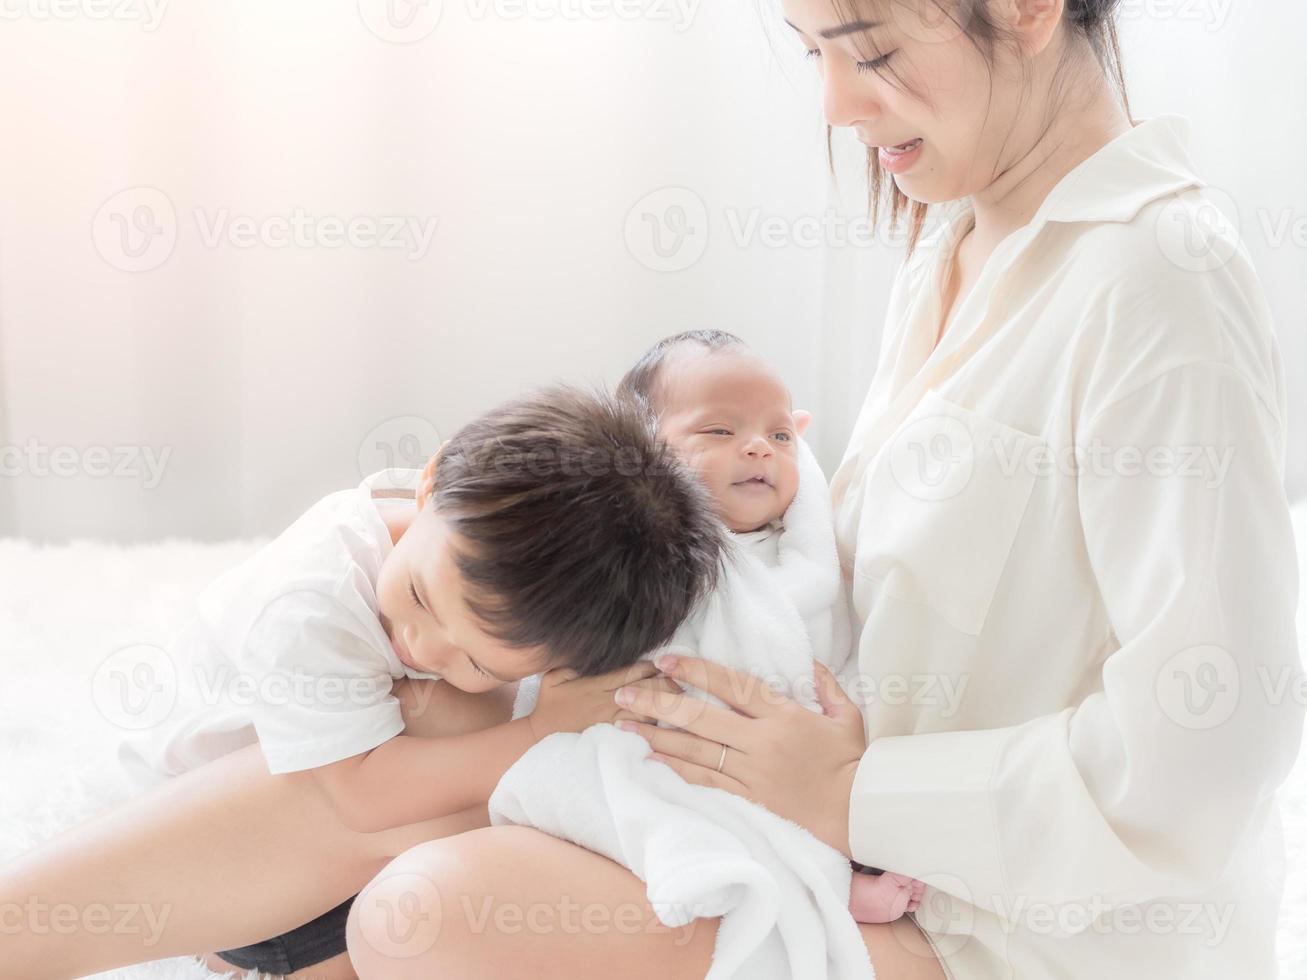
(728, 415)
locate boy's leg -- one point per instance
(512, 902)
(218, 858)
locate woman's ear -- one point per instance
(801, 420)
(1033, 21)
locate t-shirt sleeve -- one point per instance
(320, 691)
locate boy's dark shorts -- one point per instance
(303, 946)
(323, 938)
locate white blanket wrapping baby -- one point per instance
(782, 894)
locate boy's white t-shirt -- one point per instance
(287, 649)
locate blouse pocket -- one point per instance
(944, 500)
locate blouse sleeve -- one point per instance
(1144, 788)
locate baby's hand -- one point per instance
(570, 703)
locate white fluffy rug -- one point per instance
(64, 609)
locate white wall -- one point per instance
(265, 370)
(269, 374)
(1236, 68)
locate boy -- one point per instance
(553, 533)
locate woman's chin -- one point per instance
(920, 189)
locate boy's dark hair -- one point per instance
(642, 381)
(579, 530)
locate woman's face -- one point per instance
(898, 71)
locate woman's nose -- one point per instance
(846, 96)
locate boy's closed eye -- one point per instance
(417, 601)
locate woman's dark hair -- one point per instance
(1091, 20)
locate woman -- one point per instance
(1063, 522)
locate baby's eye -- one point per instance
(725, 432)
(783, 436)
(477, 667)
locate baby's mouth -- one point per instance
(755, 481)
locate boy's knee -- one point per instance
(407, 922)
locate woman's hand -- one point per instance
(795, 762)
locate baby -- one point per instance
(778, 605)
(729, 415)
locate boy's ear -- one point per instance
(801, 420)
(427, 481)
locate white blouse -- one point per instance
(1069, 553)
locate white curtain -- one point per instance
(251, 251)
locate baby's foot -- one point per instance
(884, 897)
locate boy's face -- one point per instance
(728, 416)
(436, 633)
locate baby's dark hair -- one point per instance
(643, 382)
(577, 529)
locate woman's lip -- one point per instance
(897, 161)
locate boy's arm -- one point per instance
(408, 778)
